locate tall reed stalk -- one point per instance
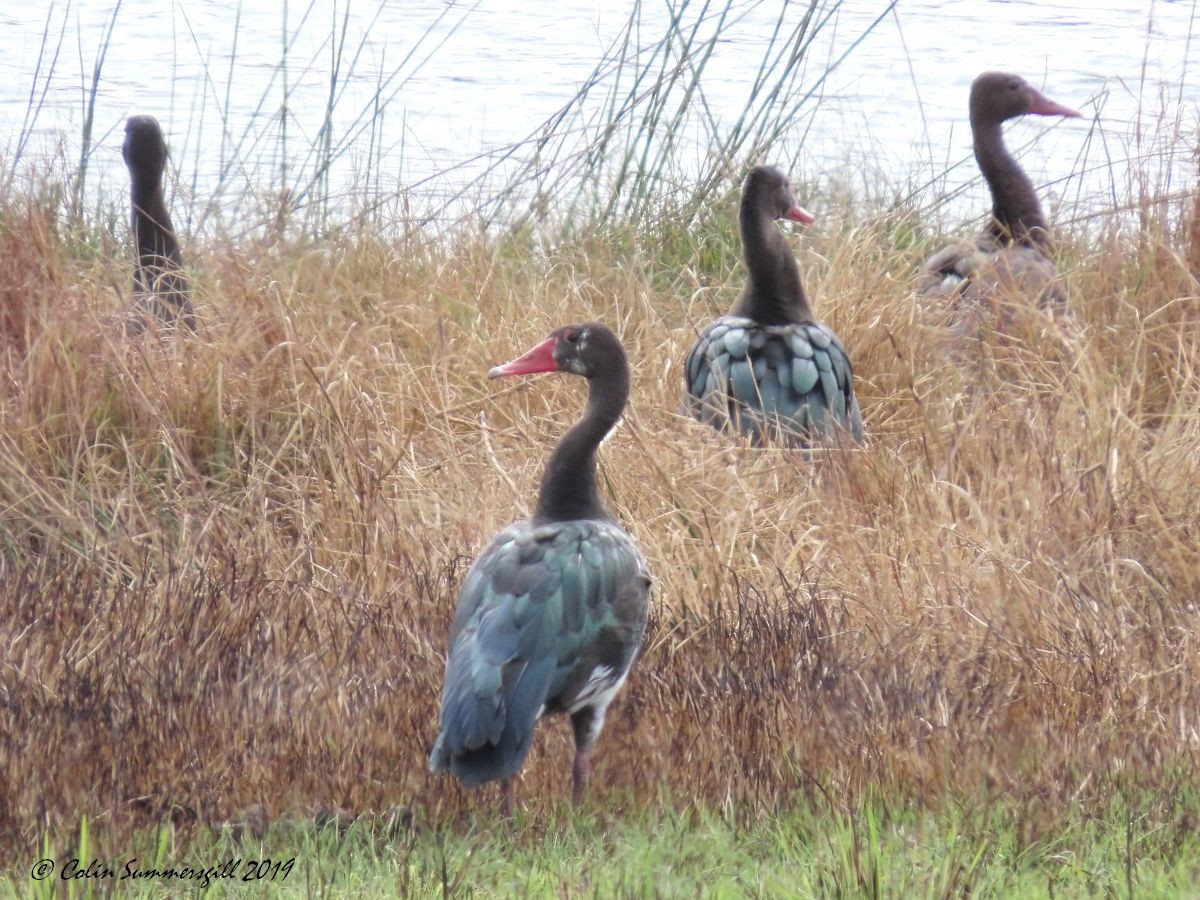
(89, 105)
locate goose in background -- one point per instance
(768, 369)
(159, 285)
(1012, 257)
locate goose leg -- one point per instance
(586, 724)
(507, 806)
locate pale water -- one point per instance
(460, 82)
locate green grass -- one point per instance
(1147, 847)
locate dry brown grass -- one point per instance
(229, 562)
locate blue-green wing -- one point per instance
(834, 392)
(540, 610)
(792, 383)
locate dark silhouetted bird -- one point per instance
(159, 285)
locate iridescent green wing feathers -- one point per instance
(542, 611)
(792, 383)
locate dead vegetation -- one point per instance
(229, 561)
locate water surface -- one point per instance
(428, 91)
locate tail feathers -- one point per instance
(487, 737)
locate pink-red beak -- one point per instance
(1044, 106)
(539, 359)
(801, 215)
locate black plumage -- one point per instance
(552, 613)
(159, 284)
(768, 369)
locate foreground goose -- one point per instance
(158, 281)
(1012, 256)
(768, 369)
(552, 613)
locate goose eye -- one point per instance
(1013, 85)
(572, 337)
